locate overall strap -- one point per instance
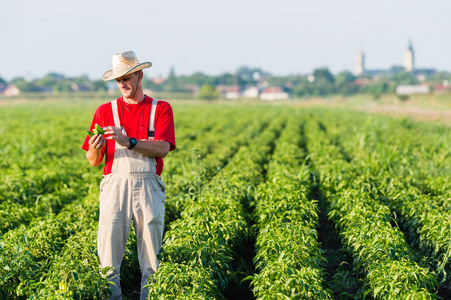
(153, 109)
(117, 122)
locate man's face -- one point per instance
(128, 84)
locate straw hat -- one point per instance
(125, 63)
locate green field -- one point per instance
(292, 201)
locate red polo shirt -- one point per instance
(135, 120)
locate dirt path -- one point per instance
(416, 113)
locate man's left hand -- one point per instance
(115, 133)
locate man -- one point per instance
(139, 132)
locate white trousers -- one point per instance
(125, 198)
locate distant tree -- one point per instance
(3, 83)
(391, 88)
(278, 81)
(48, 81)
(304, 89)
(323, 82)
(323, 74)
(404, 78)
(403, 98)
(82, 80)
(297, 79)
(323, 88)
(147, 83)
(396, 69)
(65, 86)
(208, 92)
(24, 85)
(227, 79)
(438, 77)
(344, 78)
(344, 83)
(171, 83)
(198, 79)
(248, 73)
(376, 89)
(99, 85)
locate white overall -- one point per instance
(132, 192)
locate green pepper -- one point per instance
(96, 130)
(91, 134)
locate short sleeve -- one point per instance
(164, 124)
(97, 119)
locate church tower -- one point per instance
(359, 62)
(409, 58)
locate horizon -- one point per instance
(287, 38)
(217, 75)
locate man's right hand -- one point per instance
(94, 154)
(97, 142)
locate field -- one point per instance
(263, 202)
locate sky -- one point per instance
(282, 37)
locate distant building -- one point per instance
(11, 90)
(190, 88)
(251, 92)
(409, 58)
(158, 80)
(445, 87)
(274, 93)
(359, 63)
(80, 87)
(229, 91)
(441, 89)
(360, 68)
(412, 89)
(363, 81)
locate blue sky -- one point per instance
(76, 37)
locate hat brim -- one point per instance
(109, 75)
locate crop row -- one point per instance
(211, 155)
(375, 173)
(381, 255)
(26, 252)
(76, 284)
(58, 189)
(189, 173)
(289, 260)
(410, 177)
(200, 247)
(195, 168)
(55, 238)
(180, 166)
